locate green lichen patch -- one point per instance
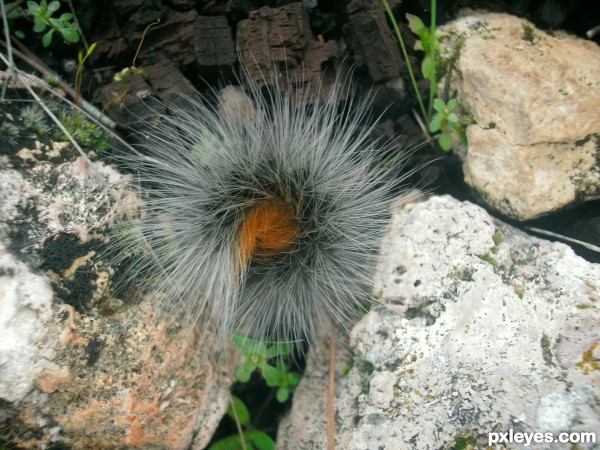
(546, 345)
(529, 34)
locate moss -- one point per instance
(85, 132)
(465, 275)
(497, 238)
(547, 350)
(519, 292)
(488, 259)
(346, 370)
(464, 442)
(528, 34)
(366, 366)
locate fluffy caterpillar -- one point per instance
(264, 218)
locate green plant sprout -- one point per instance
(250, 438)
(444, 120)
(428, 44)
(80, 62)
(258, 355)
(42, 20)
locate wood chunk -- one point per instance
(372, 40)
(213, 44)
(170, 40)
(128, 101)
(169, 84)
(278, 42)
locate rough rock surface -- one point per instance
(77, 367)
(481, 329)
(534, 145)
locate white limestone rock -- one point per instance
(534, 144)
(482, 328)
(25, 308)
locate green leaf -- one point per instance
(70, 34)
(20, 34)
(55, 23)
(279, 349)
(15, 13)
(436, 123)
(243, 415)
(293, 379)
(47, 39)
(439, 105)
(33, 8)
(65, 17)
(452, 104)
(244, 371)
(415, 24)
(283, 394)
(44, 5)
(445, 141)
(428, 68)
(228, 443)
(262, 440)
(90, 50)
(53, 6)
(452, 120)
(39, 25)
(249, 347)
(272, 376)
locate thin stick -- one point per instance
(237, 422)
(9, 54)
(34, 62)
(406, 59)
(78, 25)
(137, 52)
(330, 398)
(565, 238)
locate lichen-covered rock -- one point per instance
(79, 368)
(481, 329)
(534, 141)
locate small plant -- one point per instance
(428, 44)
(86, 132)
(250, 438)
(258, 355)
(42, 20)
(78, 75)
(444, 120)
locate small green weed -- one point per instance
(270, 361)
(42, 13)
(444, 120)
(252, 438)
(258, 356)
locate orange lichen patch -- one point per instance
(589, 362)
(269, 228)
(52, 377)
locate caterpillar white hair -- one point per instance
(264, 219)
